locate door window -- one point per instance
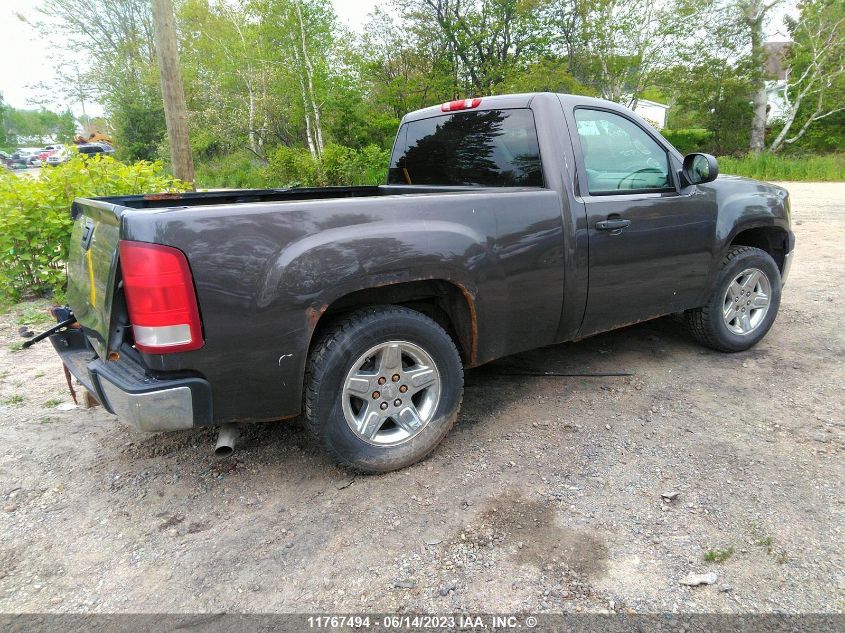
(620, 157)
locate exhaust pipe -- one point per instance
(229, 434)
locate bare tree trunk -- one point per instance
(755, 16)
(306, 110)
(758, 121)
(265, 123)
(309, 73)
(251, 119)
(173, 94)
(249, 83)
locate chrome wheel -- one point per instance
(391, 393)
(747, 301)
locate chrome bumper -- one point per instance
(165, 410)
(787, 264)
(787, 258)
(144, 401)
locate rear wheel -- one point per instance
(743, 304)
(383, 388)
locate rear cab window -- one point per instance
(487, 148)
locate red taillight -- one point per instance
(462, 104)
(160, 297)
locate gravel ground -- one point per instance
(547, 495)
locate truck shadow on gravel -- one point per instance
(489, 389)
(493, 386)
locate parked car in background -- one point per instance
(48, 151)
(91, 149)
(57, 158)
(26, 156)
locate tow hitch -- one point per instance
(47, 333)
(66, 320)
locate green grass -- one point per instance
(718, 555)
(14, 400)
(765, 542)
(52, 403)
(35, 314)
(828, 168)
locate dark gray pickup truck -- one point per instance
(507, 223)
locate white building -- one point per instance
(777, 71)
(653, 112)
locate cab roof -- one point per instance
(522, 100)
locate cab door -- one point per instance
(650, 241)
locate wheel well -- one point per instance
(446, 303)
(771, 239)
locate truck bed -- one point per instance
(246, 196)
(266, 264)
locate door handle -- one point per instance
(612, 225)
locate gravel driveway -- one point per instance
(547, 496)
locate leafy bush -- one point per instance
(292, 167)
(240, 170)
(35, 219)
(371, 164)
(338, 166)
(776, 167)
(689, 140)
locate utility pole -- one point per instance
(175, 111)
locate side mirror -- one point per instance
(699, 168)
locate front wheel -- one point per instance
(383, 388)
(743, 304)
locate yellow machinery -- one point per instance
(93, 137)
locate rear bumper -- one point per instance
(136, 397)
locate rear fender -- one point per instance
(318, 269)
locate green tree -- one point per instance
(115, 37)
(711, 95)
(4, 113)
(37, 127)
(549, 74)
(482, 39)
(815, 86)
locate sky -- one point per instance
(25, 57)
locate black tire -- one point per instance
(706, 323)
(334, 355)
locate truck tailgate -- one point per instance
(92, 267)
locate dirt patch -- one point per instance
(540, 539)
(96, 517)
